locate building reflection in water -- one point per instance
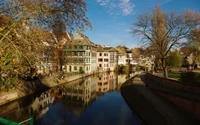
(79, 94)
(74, 97)
(106, 82)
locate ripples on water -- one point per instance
(95, 100)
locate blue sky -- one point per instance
(112, 19)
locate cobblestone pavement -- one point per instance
(153, 109)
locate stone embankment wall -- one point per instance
(37, 86)
(186, 96)
(8, 97)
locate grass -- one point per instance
(175, 75)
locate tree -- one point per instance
(194, 44)
(26, 26)
(186, 50)
(174, 60)
(136, 52)
(30, 20)
(164, 30)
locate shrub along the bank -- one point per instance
(190, 78)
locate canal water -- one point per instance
(94, 100)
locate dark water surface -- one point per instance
(95, 100)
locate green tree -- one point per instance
(164, 30)
(175, 59)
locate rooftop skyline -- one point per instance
(112, 19)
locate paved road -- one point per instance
(151, 108)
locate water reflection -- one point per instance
(93, 100)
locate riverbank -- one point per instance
(153, 109)
(36, 86)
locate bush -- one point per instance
(121, 69)
(190, 78)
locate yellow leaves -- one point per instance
(1, 28)
(191, 16)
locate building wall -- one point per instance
(80, 54)
(122, 60)
(103, 61)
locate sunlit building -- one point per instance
(125, 55)
(80, 54)
(107, 58)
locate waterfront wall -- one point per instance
(171, 86)
(185, 96)
(7, 97)
(191, 106)
(37, 86)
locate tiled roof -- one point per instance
(99, 48)
(84, 41)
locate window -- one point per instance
(75, 68)
(76, 53)
(87, 47)
(80, 68)
(99, 83)
(75, 47)
(99, 65)
(105, 60)
(100, 54)
(81, 53)
(80, 47)
(69, 47)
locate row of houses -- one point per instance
(82, 55)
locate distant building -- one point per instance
(125, 55)
(107, 58)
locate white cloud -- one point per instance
(165, 2)
(118, 7)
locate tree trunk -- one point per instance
(165, 71)
(194, 62)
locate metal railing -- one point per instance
(10, 122)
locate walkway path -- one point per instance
(152, 109)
